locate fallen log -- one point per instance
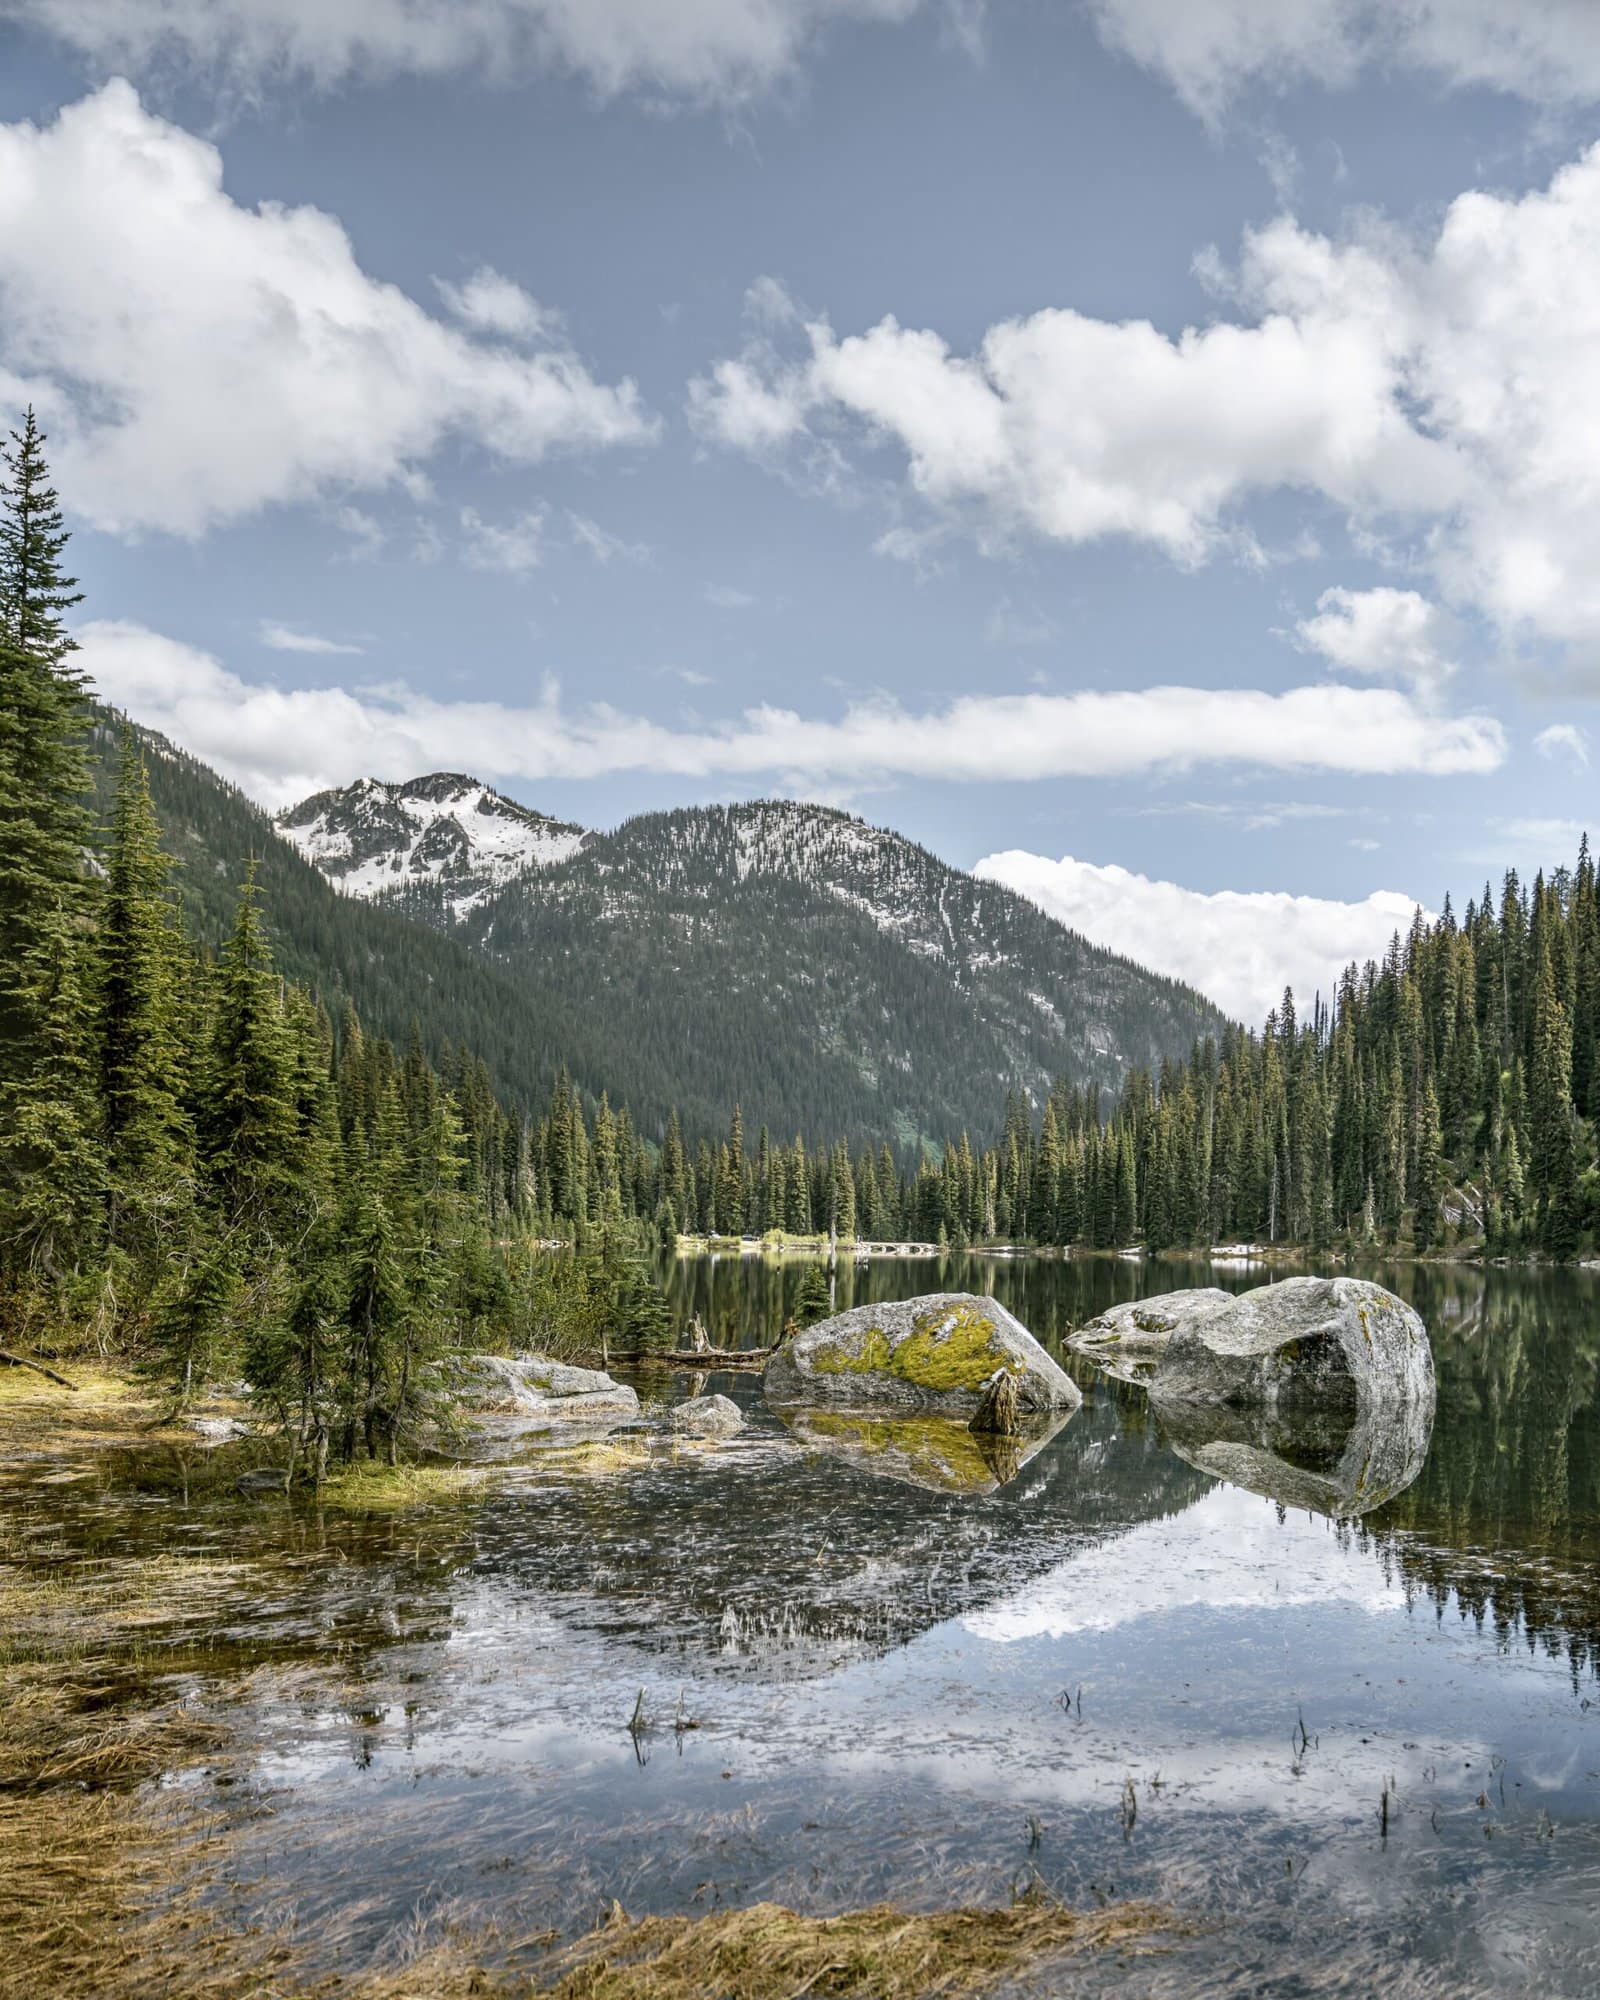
(11, 1360)
(697, 1358)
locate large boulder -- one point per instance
(536, 1390)
(933, 1353)
(1336, 1343)
(1128, 1340)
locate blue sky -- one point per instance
(1128, 436)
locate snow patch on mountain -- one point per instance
(371, 839)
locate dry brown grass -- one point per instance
(99, 1895)
(769, 1953)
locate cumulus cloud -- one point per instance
(1544, 50)
(1563, 739)
(1396, 634)
(1440, 391)
(279, 743)
(197, 360)
(1241, 948)
(490, 302)
(290, 639)
(703, 50)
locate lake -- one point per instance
(1363, 1754)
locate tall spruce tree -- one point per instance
(46, 894)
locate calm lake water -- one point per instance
(941, 1695)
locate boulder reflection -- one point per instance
(1334, 1462)
(938, 1454)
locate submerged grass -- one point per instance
(370, 1487)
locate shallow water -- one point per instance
(1113, 1674)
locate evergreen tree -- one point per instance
(249, 1128)
(46, 897)
(142, 999)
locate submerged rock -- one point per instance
(938, 1454)
(934, 1353)
(1130, 1339)
(1330, 1462)
(708, 1417)
(266, 1479)
(534, 1388)
(1333, 1342)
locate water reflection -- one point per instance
(1329, 1462)
(1503, 1517)
(938, 1453)
(928, 1691)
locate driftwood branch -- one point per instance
(11, 1360)
(697, 1358)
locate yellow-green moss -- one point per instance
(948, 1347)
(938, 1451)
(876, 1356)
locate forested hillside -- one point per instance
(1452, 1094)
(829, 976)
(335, 945)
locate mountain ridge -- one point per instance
(371, 837)
(822, 971)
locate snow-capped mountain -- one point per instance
(828, 974)
(445, 832)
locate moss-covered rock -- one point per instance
(933, 1353)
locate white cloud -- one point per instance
(367, 536)
(736, 406)
(197, 360)
(280, 743)
(700, 49)
(513, 547)
(602, 544)
(1553, 843)
(492, 303)
(1397, 634)
(1545, 50)
(1241, 948)
(289, 639)
(1563, 737)
(724, 597)
(1440, 391)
